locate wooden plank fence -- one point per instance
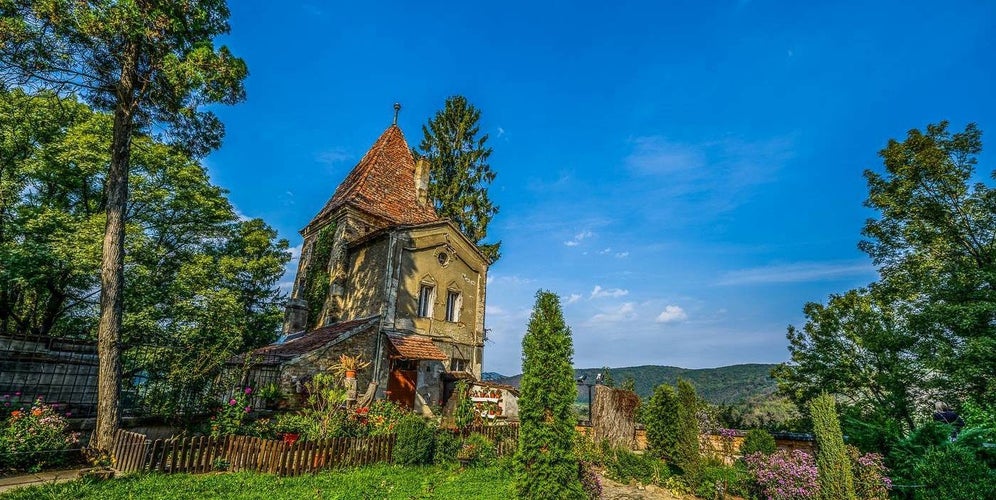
(133, 452)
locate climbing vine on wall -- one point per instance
(317, 280)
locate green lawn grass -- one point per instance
(374, 482)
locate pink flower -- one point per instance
(248, 390)
(248, 409)
(17, 393)
(232, 402)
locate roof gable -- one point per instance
(382, 184)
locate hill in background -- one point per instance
(723, 385)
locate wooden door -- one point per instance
(401, 383)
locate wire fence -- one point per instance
(155, 380)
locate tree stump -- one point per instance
(613, 416)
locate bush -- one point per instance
(732, 480)
(870, 479)
(446, 447)
(478, 449)
(687, 454)
(624, 465)
(835, 474)
(35, 437)
(784, 475)
(590, 482)
(758, 441)
(953, 473)
(414, 445)
(234, 416)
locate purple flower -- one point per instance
(17, 393)
(232, 402)
(248, 409)
(248, 390)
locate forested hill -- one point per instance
(723, 385)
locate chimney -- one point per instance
(295, 316)
(422, 181)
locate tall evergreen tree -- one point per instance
(661, 419)
(546, 466)
(687, 453)
(460, 173)
(152, 65)
(835, 475)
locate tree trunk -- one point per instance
(112, 259)
(612, 416)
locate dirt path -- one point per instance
(612, 490)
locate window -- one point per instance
(458, 365)
(453, 303)
(426, 296)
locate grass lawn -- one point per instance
(373, 482)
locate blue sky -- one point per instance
(686, 175)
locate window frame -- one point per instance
(454, 302)
(426, 300)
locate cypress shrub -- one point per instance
(660, 417)
(687, 455)
(415, 441)
(832, 461)
(545, 464)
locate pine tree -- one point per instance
(835, 475)
(460, 174)
(154, 66)
(545, 465)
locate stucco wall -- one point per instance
(364, 293)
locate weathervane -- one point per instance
(397, 109)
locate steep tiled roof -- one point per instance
(279, 352)
(415, 347)
(383, 184)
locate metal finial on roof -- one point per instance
(397, 109)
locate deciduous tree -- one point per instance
(153, 65)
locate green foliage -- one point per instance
(459, 172)
(624, 465)
(724, 385)
(234, 416)
(546, 467)
(478, 449)
(871, 481)
(317, 281)
(730, 480)
(858, 346)
(35, 437)
(381, 481)
(660, 417)
(607, 379)
(414, 445)
(953, 473)
(325, 408)
(628, 384)
(835, 475)
(463, 414)
(201, 284)
(446, 447)
(686, 454)
(758, 441)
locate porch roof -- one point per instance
(415, 347)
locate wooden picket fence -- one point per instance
(198, 454)
(134, 452)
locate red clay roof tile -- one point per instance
(415, 347)
(383, 184)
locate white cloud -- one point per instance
(625, 312)
(333, 156)
(578, 238)
(599, 292)
(574, 297)
(621, 255)
(493, 310)
(672, 314)
(797, 272)
(605, 251)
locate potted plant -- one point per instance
(349, 365)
